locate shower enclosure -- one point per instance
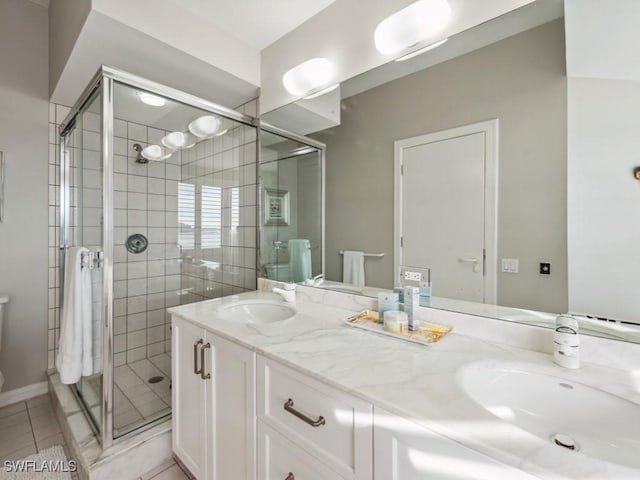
(160, 187)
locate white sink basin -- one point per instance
(256, 311)
(566, 413)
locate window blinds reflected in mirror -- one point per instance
(186, 215)
(210, 201)
(211, 215)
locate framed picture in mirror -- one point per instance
(276, 207)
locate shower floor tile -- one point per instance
(136, 400)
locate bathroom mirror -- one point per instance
(291, 226)
(551, 211)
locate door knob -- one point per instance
(471, 260)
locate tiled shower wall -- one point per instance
(198, 210)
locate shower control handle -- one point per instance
(195, 357)
(203, 375)
(291, 476)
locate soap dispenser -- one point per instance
(566, 343)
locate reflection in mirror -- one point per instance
(291, 190)
(457, 161)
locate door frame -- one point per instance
(490, 129)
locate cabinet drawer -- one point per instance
(341, 435)
(280, 459)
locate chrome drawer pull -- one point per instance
(196, 370)
(290, 477)
(288, 406)
(203, 375)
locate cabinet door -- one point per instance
(231, 398)
(407, 451)
(187, 393)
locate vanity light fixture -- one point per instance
(155, 153)
(303, 150)
(322, 92)
(176, 140)
(412, 25)
(205, 127)
(310, 77)
(151, 99)
(420, 51)
(636, 173)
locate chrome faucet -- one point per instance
(315, 281)
(566, 342)
(287, 292)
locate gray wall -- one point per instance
(520, 80)
(23, 236)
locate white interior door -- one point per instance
(443, 219)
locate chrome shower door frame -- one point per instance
(104, 81)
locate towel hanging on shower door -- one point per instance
(75, 358)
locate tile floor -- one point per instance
(30, 426)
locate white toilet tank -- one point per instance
(3, 300)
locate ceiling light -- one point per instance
(420, 51)
(150, 99)
(413, 24)
(309, 77)
(156, 153)
(206, 126)
(176, 140)
(322, 92)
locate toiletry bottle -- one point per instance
(411, 303)
(387, 301)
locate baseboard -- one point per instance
(23, 393)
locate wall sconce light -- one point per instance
(411, 26)
(205, 127)
(176, 140)
(636, 173)
(310, 77)
(155, 153)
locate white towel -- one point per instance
(353, 268)
(75, 357)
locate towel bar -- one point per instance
(378, 255)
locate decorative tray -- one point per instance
(425, 334)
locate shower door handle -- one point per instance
(203, 375)
(195, 357)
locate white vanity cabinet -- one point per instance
(309, 430)
(213, 397)
(404, 450)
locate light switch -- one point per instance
(510, 265)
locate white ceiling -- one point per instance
(258, 23)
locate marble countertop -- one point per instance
(419, 382)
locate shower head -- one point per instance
(139, 158)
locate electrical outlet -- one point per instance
(412, 276)
(545, 268)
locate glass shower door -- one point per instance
(82, 227)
